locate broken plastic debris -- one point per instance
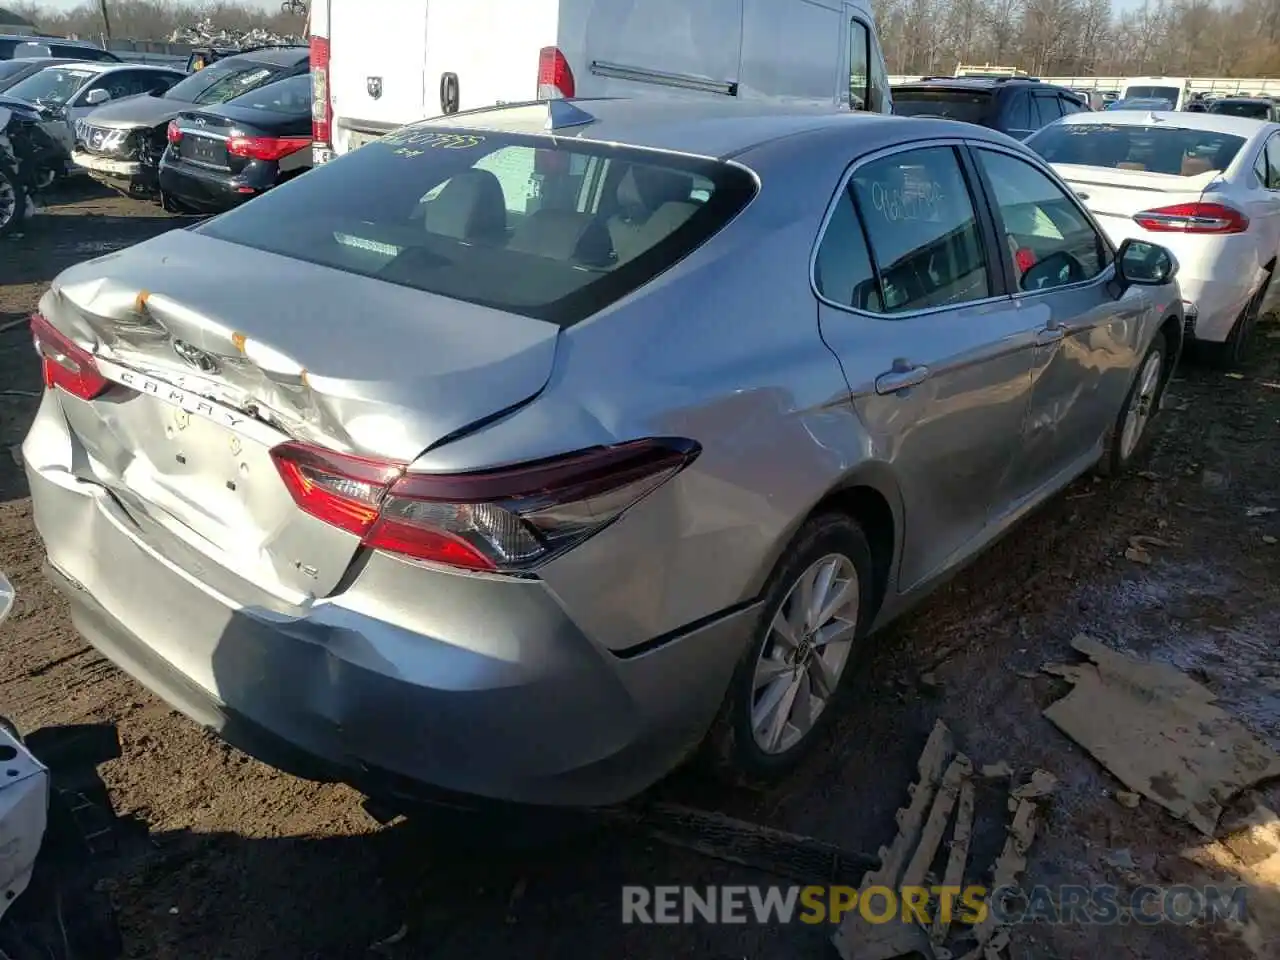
(1127, 798)
(1137, 555)
(1041, 784)
(993, 771)
(1253, 512)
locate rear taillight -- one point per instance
(66, 364)
(1193, 218)
(506, 519)
(173, 134)
(321, 109)
(555, 79)
(266, 148)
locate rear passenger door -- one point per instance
(1045, 108)
(913, 300)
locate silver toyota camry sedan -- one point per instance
(526, 453)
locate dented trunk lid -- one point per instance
(219, 352)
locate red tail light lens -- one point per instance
(506, 519)
(1193, 218)
(66, 364)
(555, 79)
(266, 148)
(321, 112)
(173, 133)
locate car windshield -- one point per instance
(52, 85)
(11, 68)
(967, 105)
(1162, 149)
(1242, 108)
(292, 95)
(223, 80)
(1152, 93)
(546, 229)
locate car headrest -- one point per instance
(470, 207)
(644, 188)
(564, 235)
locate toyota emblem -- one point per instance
(374, 86)
(193, 356)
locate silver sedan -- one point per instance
(527, 452)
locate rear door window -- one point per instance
(1273, 163)
(555, 230)
(842, 271)
(1018, 112)
(925, 242)
(970, 106)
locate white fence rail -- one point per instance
(1269, 86)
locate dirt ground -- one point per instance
(226, 858)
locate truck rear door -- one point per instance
(377, 51)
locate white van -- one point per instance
(1174, 89)
(379, 64)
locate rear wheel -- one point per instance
(1237, 347)
(789, 681)
(13, 201)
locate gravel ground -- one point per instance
(226, 858)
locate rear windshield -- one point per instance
(967, 105)
(1162, 149)
(503, 220)
(291, 96)
(1242, 108)
(223, 80)
(1152, 93)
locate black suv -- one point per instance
(1018, 106)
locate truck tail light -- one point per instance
(555, 79)
(505, 519)
(173, 134)
(66, 364)
(1193, 218)
(321, 106)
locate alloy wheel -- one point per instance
(1143, 405)
(805, 653)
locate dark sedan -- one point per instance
(222, 156)
(120, 144)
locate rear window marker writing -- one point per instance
(428, 139)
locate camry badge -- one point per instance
(374, 86)
(193, 356)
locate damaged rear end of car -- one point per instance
(223, 470)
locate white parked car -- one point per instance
(1206, 186)
(71, 91)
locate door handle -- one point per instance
(902, 377)
(1051, 334)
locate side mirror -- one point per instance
(6, 597)
(1141, 263)
(97, 97)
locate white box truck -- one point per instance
(379, 64)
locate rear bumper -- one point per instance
(212, 190)
(505, 698)
(1214, 304)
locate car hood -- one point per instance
(140, 111)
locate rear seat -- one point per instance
(564, 235)
(653, 202)
(471, 207)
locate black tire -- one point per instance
(1115, 458)
(731, 745)
(11, 220)
(1235, 350)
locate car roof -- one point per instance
(1212, 122)
(106, 66)
(282, 56)
(979, 83)
(1244, 100)
(701, 127)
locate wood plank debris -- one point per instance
(953, 876)
(1159, 732)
